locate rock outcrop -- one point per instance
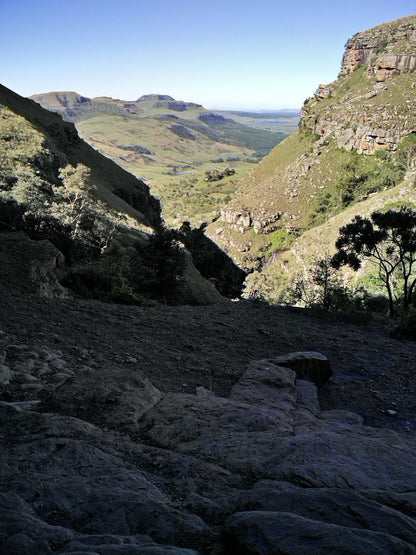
(31, 265)
(113, 463)
(182, 131)
(356, 121)
(388, 49)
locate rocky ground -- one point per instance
(181, 348)
(159, 430)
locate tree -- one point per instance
(389, 239)
(406, 151)
(78, 191)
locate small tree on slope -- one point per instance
(389, 239)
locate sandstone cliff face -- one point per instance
(378, 113)
(388, 48)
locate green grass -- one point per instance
(357, 177)
(184, 196)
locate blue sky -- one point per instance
(220, 53)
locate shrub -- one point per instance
(321, 288)
(406, 324)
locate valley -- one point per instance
(171, 145)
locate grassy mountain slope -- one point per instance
(351, 144)
(170, 144)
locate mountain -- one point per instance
(286, 120)
(56, 187)
(348, 156)
(171, 144)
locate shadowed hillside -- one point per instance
(55, 186)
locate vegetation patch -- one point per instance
(358, 177)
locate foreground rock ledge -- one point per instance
(104, 462)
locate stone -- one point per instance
(342, 455)
(30, 265)
(119, 401)
(59, 378)
(201, 391)
(212, 119)
(5, 374)
(267, 532)
(340, 507)
(182, 131)
(57, 363)
(307, 396)
(137, 148)
(82, 484)
(108, 544)
(393, 64)
(23, 531)
(324, 90)
(268, 383)
(308, 365)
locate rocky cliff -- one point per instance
(378, 114)
(325, 165)
(388, 49)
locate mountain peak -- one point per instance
(155, 97)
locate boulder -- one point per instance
(182, 131)
(308, 365)
(30, 265)
(118, 400)
(213, 119)
(272, 533)
(5, 374)
(332, 506)
(65, 475)
(137, 148)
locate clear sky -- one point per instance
(258, 54)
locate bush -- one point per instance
(406, 324)
(107, 278)
(321, 288)
(372, 302)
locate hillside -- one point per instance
(102, 219)
(350, 146)
(170, 144)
